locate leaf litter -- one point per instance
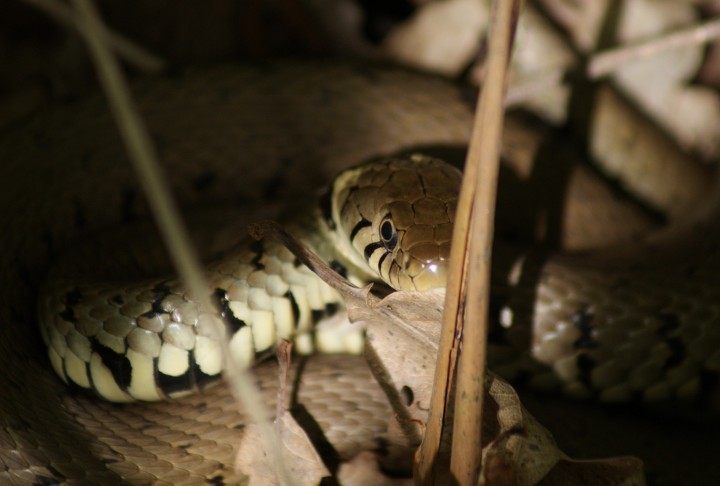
(401, 346)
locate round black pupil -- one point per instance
(386, 231)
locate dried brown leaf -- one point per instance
(401, 348)
(401, 352)
(300, 457)
(364, 469)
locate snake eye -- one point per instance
(388, 234)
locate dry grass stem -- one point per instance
(474, 216)
(284, 358)
(484, 154)
(144, 159)
(604, 63)
(124, 47)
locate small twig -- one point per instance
(124, 47)
(604, 63)
(284, 356)
(143, 156)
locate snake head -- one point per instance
(394, 216)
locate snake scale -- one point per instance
(630, 323)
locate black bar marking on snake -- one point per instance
(257, 248)
(171, 384)
(72, 298)
(338, 268)
(226, 313)
(189, 372)
(118, 299)
(91, 383)
(202, 379)
(218, 480)
(316, 315)
(69, 315)
(118, 364)
(380, 262)
(370, 249)
(156, 376)
(363, 223)
(583, 322)
(329, 310)
(294, 306)
(161, 290)
(325, 204)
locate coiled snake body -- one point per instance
(601, 325)
(150, 341)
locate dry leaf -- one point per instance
(538, 65)
(363, 469)
(660, 83)
(401, 350)
(441, 36)
(301, 459)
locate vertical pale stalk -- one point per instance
(465, 460)
(469, 273)
(144, 159)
